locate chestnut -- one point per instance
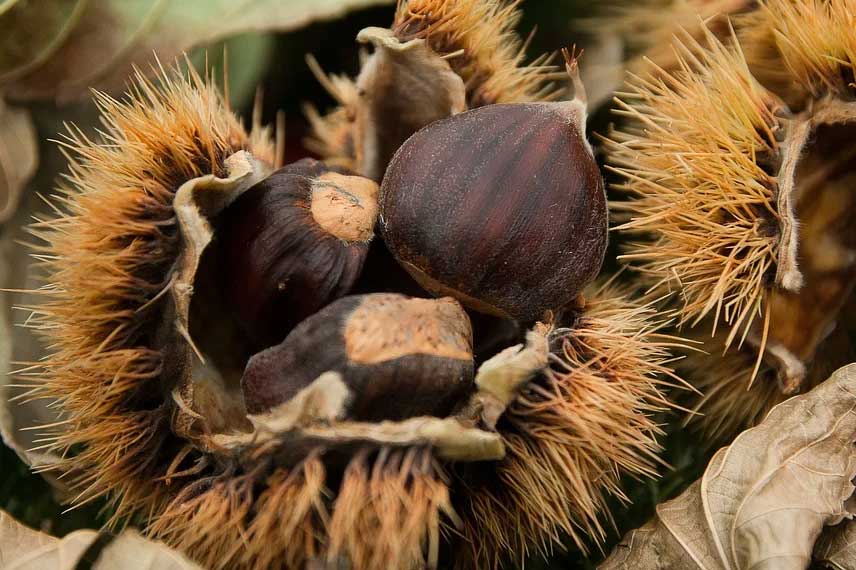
(292, 243)
(501, 207)
(400, 357)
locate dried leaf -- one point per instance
(16, 415)
(17, 540)
(7, 426)
(836, 547)
(94, 44)
(130, 550)
(19, 276)
(19, 156)
(763, 500)
(22, 548)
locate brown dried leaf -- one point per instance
(17, 540)
(764, 500)
(836, 547)
(15, 415)
(22, 548)
(130, 550)
(7, 427)
(19, 276)
(19, 156)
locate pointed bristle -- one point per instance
(573, 434)
(728, 402)
(732, 397)
(289, 519)
(332, 134)
(225, 523)
(697, 157)
(400, 500)
(207, 520)
(483, 48)
(812, 41)
(106, 256)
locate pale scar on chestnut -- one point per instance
(383, 329)
(345, 206)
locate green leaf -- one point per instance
(97, 43)
(32, 31)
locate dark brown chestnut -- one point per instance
(501, 207)
(400, 357)
(293, 243)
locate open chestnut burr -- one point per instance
(363, 437)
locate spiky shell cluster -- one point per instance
(110, 254)
(738, 193)
(700, 206)
(480, 41)
(802, 51)
(647, 27)
(162, 438)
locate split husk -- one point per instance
(153, 422)
(439, 58)
(130, 371)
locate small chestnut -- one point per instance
(501, 207)
(293, 243)
(400, 356)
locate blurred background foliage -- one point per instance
(275, 64)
